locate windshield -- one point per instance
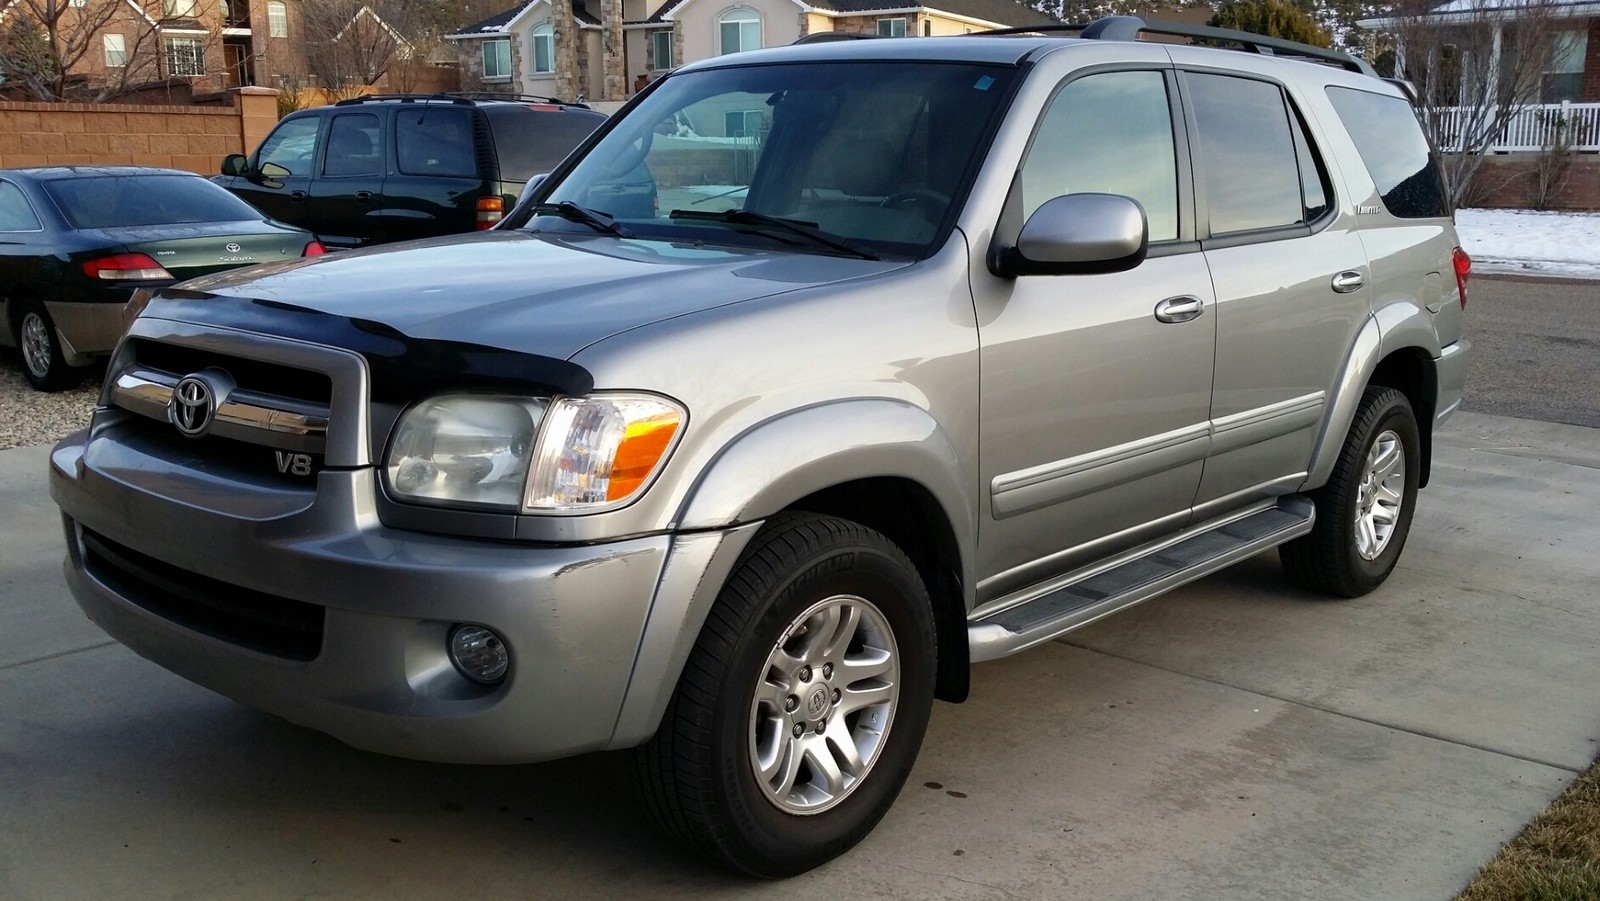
(123, 201)
(870, 153)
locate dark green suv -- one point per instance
(391, 168)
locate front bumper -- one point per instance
(576, 618)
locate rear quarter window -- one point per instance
(1390, 140)
(16, 214)
(435, 142)
(532, 142)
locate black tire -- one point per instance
(43, 366)
(696, 773)
(1327, 559)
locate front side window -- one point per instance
(116, 47)
(497, 59)
(740, 30)
(1390, 140)
(1245, 154)
(277, 19)
(891, 28)
(354, 147)
(435, 142)
(293, 146)
(16, 214)
(661, 49)
(186, 57)
(544, 57)
(878, 155)
(1108, 134)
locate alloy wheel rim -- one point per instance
(824, 705)
(36, 345)
(1380, 495)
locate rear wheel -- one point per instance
(1364, 511)
(803, 704)
(42, 363)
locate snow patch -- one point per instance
(1532, 243)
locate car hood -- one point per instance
(548, 295)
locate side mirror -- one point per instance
(1077, 234)
(273, 170)
(518, 215)
(235, 164)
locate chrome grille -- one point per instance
(249, 416)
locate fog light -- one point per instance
(478, 654)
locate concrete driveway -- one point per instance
(1236, 739)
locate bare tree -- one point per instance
(1477, 68)
(350, 44)
(56, 50)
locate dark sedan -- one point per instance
(76, 242)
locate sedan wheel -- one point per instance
(42, 362)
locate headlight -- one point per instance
(465, 449)
(599, 451)
(567, 455)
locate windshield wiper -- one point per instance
(600, 222)
(807, 230)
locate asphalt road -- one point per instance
(1538, 349)
(1234, 739)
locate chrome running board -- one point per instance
(1042, 612)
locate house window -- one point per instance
(891, 28)
(180, 9)
(742, 123)
(544, 42)
(661, 49)
(497, 59)
(116, 46)
(277, 19)
(740, 30)
(1564, 78)
(186, 56)
(927, 28)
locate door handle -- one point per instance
(297, 197)
(363, 197)
(1348, 281)
(1180, 309)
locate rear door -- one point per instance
(1290, 277)
(439, 174)
(347, 192)
(293, 146)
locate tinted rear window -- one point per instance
(435, 142)
(121, 201)
(1390, 141)
(1247, 154)
(532, 142)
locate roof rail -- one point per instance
(1128, 28)
(464, 98)
(828, 37)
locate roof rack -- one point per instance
(464, 98)
(1128, 28)
(828, 37)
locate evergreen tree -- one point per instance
(1271, 18)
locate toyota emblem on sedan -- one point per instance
(192, 405)
(231, 248)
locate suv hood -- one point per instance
(549, 295)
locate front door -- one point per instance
(1094, 407)
(291, 154)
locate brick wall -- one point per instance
(180, 137)
(1505, 183)
(1591, 64)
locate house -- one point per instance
(521, 50)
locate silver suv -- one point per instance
(917, 353)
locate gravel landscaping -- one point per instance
(35, 417)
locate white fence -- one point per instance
(1533, 128)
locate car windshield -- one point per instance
(123, 201)
(872, 155)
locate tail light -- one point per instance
(314, 249)
(490, 211)
(1463, 266)
(125, 267)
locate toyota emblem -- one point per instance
(193, 403)
(231, 248)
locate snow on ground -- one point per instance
(1530, 243)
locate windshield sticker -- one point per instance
(983, 83)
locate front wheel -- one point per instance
(803, 703)
(1364, 511)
